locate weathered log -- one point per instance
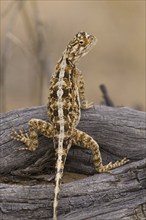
(120, 133)
(120, 195)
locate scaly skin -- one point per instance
(66, 98)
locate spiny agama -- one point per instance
(66, 98)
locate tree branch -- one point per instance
(120, 133)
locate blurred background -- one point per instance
(35, 33)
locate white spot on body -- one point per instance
(60, 113)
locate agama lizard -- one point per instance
(66, 98)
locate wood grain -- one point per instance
(120, 132)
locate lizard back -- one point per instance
(63, 100)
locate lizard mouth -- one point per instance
(91, 43)
(93, 39)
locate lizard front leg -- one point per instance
(81, 86)
(84, 140)
(31, 139)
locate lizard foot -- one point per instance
(86, 105)
(111, 165)
(23, 137)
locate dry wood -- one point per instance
(120, 133)
(106, 97)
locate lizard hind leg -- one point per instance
(31, 139)
(84, 140)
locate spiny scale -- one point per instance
(66, 98)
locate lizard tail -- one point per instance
(59, 174)
(61, 153)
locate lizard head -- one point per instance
(81, 44)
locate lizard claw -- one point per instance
(31, 144)
(110, 166)
(18, 135)
(86, 105)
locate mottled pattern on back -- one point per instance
(70, 103)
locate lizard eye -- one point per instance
(81, 42)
